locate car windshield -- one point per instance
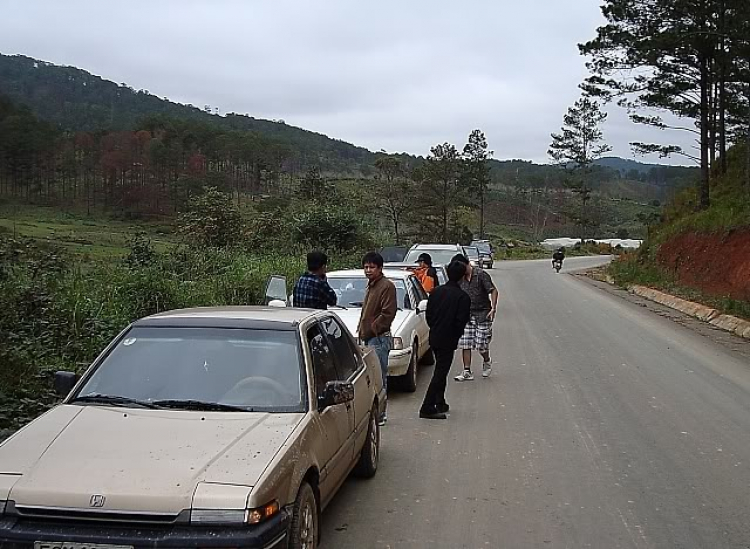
(471, 252)
(351, 291)
(201, 368)
(439, 256)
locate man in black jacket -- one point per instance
(447, 314)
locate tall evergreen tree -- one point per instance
(440, 178)
(576, 148)
(477, 170)
(660, 54)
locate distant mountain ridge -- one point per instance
(76, 100)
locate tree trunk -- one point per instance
(705, 107)
(723, 90)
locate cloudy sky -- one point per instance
(394, 75)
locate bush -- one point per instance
(211, 220)
(326, 227)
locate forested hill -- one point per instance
(76, 100)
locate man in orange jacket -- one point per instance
(426, 273)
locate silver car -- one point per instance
(215, 427)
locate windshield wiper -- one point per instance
(113, 400)
(355, 304)
(188, 404)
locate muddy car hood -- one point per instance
(350, 318)
(139, 460)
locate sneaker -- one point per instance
(466, 375)
(487, 369)
(382, 420)
(443, 408)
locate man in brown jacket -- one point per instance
(378, 312)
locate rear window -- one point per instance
(439, 257)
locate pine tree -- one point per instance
(576, 149)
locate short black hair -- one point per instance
(456, 270)
(316, 260)
(460, 257)
(373, 257)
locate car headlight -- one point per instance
(398, 343)
(257, 515)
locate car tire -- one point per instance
(367, 465)
(303, 528)
(408, 381)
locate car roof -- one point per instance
(252, 317)
(407, 265)
(436, 246)
(389, 273)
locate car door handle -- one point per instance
(368, 380)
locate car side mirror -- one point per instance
(277, 303)
(336, 392)
(422, 307)
(64, 382)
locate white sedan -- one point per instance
(409, 328)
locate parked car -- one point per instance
(486, 252)
(212, 427)
(441, 253)
(410, 331)
(440, 269)
(393, 253)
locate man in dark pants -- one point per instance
(447, 314)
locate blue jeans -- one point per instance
(382, 345)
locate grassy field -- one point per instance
(95, 237)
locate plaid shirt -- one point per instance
(313, 292)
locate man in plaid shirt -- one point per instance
(312, 291)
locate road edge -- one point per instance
(728, 323)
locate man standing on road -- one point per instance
(378, 312)
(448, 311)
(312, 290)
(478, 332)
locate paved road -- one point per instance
(604, 425)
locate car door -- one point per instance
(420, 322)
(351, 368)
(336, 422)
(276, 290)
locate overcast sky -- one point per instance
(394, 75)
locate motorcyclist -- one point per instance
(559, 255)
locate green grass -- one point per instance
(97, 236)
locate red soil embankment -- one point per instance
(716, 264)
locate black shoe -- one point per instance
(443, 408)
(432, 415)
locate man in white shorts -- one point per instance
(478, 333)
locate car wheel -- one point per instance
(303, 529)
(409, 379)
(367, 465)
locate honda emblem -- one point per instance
(97, 500)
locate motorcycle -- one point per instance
(557, 264)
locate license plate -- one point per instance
(71, 545)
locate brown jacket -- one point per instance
(378, 309)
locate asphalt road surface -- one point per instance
(603, 425)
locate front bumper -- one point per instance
(398, 362)
(22, 533)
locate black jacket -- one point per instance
(447, 314)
